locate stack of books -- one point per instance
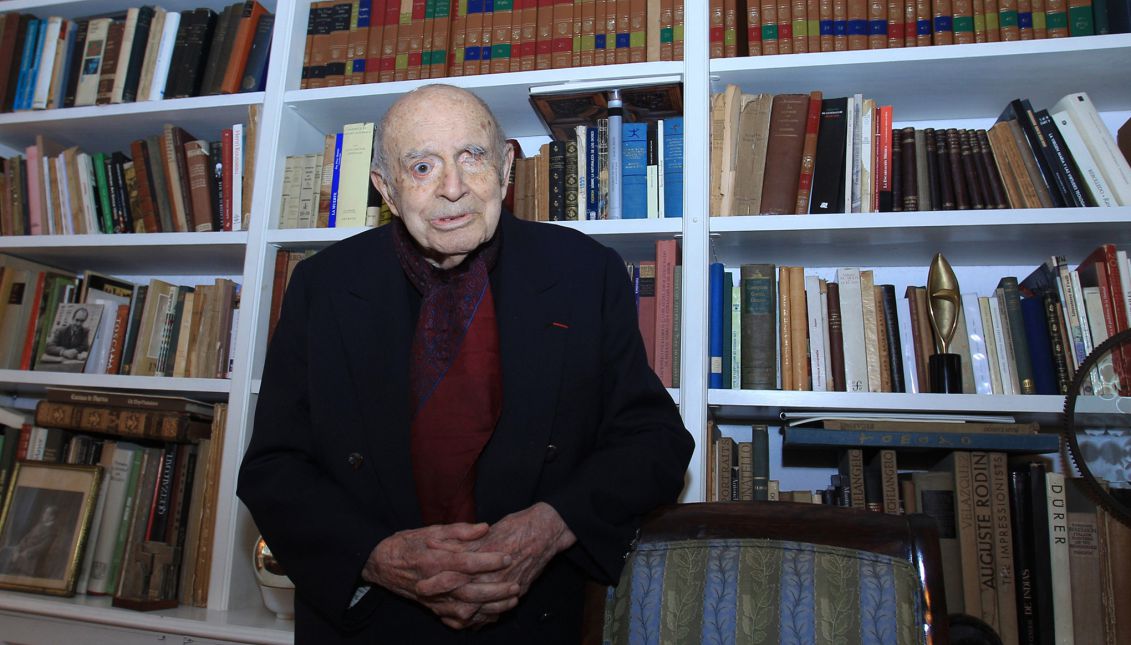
(142, 54)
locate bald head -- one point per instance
(424, 99)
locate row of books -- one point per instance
(574, 180)
(371, 41)
(167, 182)
(151, 534)
(54, 321)
(332, 189)
(142, 54)
(1023, 546)
(795, 330)
(757, 27)
(797, 153)
(657, 284)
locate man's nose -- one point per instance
(452, 184)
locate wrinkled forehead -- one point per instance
(439, 117)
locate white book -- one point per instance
(826, 364)
(1057, 504)
(1093, 305)
(735, 338)
(907, 346)
(1085, 324)
(867, 127)
(1125, 277)
(850, 147)
(817, 326)
(57, 88)
(64, 195)
(86, 92)
(164, 56)
(856, 141)
(309, 174)
(1094, 181)
(289, 200)
(1002, 342)
(353, 184)
(101, 545)
(979, 354)
(107, 462)
(104, 331)
(149, 61)
(124, 55)
(46, 63)
(48, 203)
(991, 343)
(852, 329)
(237, 177)
(1105, 152)
(871, 331)
(232, 340)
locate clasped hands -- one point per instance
(470, 574)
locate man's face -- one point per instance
(444, 183)
(79, 318)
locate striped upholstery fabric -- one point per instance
(748, 591)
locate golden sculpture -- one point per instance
(943, 302)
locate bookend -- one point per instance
(151, 583)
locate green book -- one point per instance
(98, 160)
(120, 540)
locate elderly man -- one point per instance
(457, 424)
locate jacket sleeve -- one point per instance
(320, 534)
(641, 450)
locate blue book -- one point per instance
(592, 176)
(29, 54)
(334, 185)
(1040, 346)
(634, 171)
(920, 440)
(716, 280)
(33, 68)
(673, 166)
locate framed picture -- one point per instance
(70, 337)
(44, 526)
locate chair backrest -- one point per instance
(774, 572)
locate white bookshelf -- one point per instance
(962, 86)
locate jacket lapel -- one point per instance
(530, 299)
(372, 310)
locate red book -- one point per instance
(373, 42)
(118, 339)
(389, 38)
(37, 310)
(809, 152)
(226, 197)
(1101, 269)
(667, 257)
(241, 46)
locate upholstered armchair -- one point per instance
(774, 572)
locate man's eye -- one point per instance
(421, 168)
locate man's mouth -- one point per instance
(451, 221)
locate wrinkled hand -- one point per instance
(531, 538)
(437, 567)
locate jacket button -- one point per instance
(355, 460)
(551, 453)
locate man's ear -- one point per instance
(508, 162)
(384, 189)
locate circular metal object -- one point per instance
(1097, 424)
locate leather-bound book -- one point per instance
(836, 339)
(557, 158)
(146, 202)
(194, 39)
(891, 322)
(996, 186)
(222, 37)
(783, 153)
(930, 144)
(241, 46)
(759, 360)
(954, 153)
(909, 179)
(110, 62)
(896, 173)
(942, 162)
(808, 153)
(969, 171)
